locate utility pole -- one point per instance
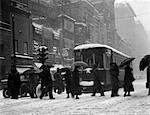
(13, 36)
(61, 35)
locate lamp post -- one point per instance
(13, 37)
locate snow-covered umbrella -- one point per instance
(80, 63)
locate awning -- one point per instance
(21, 70)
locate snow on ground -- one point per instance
(137, 104)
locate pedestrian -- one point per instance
(58, 83)
(14, 82)
(76, 89)
(148, 79)
(68, 79)
(128, 79)
(46, 82)
(114, 72)
(97, 82)
(33, 82)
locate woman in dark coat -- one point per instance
(76, 88)
(58, 84)
(68, 79)
(46, 82)
(14, 82)
(128, 79)
(33, 82)
(97, 87)
(148, 79)
(114, 72)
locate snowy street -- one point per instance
(138, 104)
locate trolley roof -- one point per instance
(89, 46)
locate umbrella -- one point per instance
(144, 62)
(80, 63)
(126, 61)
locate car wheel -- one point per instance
(6, 93)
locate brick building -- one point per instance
(89, 25)
(5, 36)
(15, 26)
(106, 9)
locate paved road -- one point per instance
(137, 104)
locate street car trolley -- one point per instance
(102, 55)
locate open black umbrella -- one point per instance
(144, 62)
(126, 61)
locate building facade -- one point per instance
(5, 36)
(106, 9)
(132, 31)
(15, 36)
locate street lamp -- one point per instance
(13, 36)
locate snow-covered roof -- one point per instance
(88, 46)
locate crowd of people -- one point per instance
(72, 82)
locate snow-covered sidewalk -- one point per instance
(138, 103)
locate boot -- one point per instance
(93, 94)
(149, 91)
(102, 94)
(68, 96)
(77, 97)
(125, 94)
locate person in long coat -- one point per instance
(128, 79)
(75, 87)
(68, 79)
(46, 82)
(33, 82)
(97, 82)
(148, 79)
(114, 72)
(14, 82)
(58, 83)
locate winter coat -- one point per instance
(128, 79)
(14, 80)
(114, 72)
(97, 87)
(148, 77)
(95, 75)
(45, 78)
(68, 79)
(33, 82)
(76, 88)
(58, 83)
(14, 84)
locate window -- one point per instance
(16, 46)
(25, 48)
